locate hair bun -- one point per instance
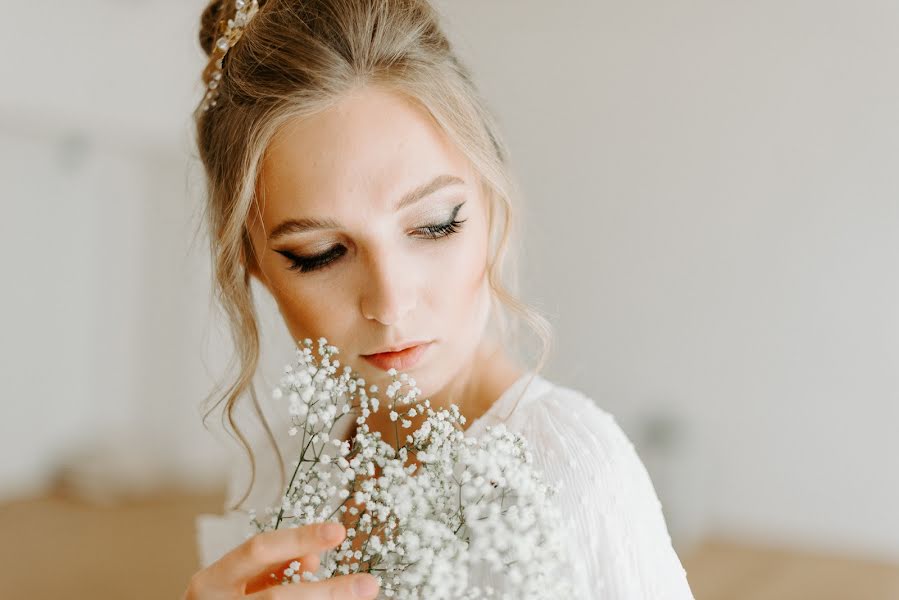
(209, 25)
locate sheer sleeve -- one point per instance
(617, 525)
(216, 534)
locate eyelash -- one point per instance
(313, 263)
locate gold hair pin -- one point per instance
(245, 11)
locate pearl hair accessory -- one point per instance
(233, 30)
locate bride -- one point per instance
(356, 174)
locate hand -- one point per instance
(245, 571)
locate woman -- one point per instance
(357, 176)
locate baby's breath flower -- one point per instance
(475, 509)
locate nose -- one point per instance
(389, 291)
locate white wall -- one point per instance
(103, 314)
(714, 209)
(712, 218)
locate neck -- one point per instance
(480, 382)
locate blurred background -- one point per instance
(712, 225)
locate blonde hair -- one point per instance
(296, 58)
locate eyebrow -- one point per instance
(292, 226)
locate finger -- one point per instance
(358, 586)
(273, 576)
(269, 549)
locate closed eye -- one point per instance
(306, 264)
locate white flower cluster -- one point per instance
(430, 515)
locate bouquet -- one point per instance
(430, 513)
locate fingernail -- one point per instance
(330, 531)
(365, 586)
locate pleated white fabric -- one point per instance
(615, 527)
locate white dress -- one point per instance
(615, 522)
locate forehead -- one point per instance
(369, 149)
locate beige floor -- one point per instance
(721, 570)
(56, 548)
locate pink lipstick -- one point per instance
(401, 360)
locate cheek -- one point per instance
(461, 281)
(310, 312)
(476, 260)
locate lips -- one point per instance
(397, 347)
(404, 356)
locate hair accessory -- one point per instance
(231, 33)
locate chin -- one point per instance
(424, 376)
